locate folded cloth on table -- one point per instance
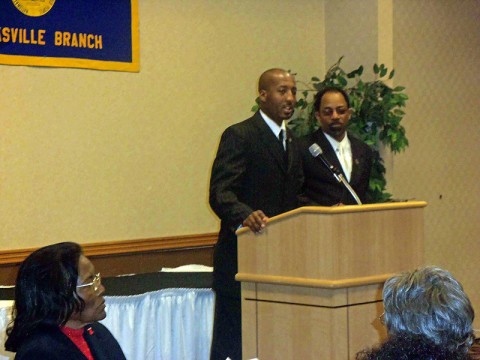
(189, 268)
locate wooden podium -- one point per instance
(312, 280)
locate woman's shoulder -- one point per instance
(46, 343)
(102, 342)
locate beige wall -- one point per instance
(94, 156)
(434, 47)
(437, 52)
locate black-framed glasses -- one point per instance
(96, 282)
(339, 110)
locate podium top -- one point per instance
(330, 210)
(334, 246)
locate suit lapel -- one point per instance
(357, 159)
(270, 141)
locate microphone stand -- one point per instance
(349, 188)
(341, 179)
(317, 152)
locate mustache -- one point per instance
(336, 122)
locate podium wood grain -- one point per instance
(312, 281)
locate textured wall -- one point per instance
(351, 30)
(436, 54)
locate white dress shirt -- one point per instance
(343, 150)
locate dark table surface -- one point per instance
(142, 283)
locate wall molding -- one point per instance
(170, 243)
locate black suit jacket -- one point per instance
(249, 173)
(49, 343)
(320, 186)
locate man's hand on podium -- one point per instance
(256, 221)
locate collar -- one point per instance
(345, 143)
(273, 125)
(70, 332)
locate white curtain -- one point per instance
(5, 316)
(167, 324)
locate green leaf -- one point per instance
(376, 69)
(392, 74)
(351, 74)
(343, 82)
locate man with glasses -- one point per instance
(348, 154)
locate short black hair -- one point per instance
(265, 80)
(329, 89)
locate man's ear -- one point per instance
(262, 96)
(350, 112)
(317, 115)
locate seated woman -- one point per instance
(428, 316)
(58, 301)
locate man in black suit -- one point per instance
(348, 154)
(255, 175)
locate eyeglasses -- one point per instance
(382, 318)
(96, 282)
(329, 111)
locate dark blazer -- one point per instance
(249, 173)
(320, 186)
(49, 343)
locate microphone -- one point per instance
(317, 152)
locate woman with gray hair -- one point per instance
(427, 315)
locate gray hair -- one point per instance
(429, 302)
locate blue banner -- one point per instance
(95, 34)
